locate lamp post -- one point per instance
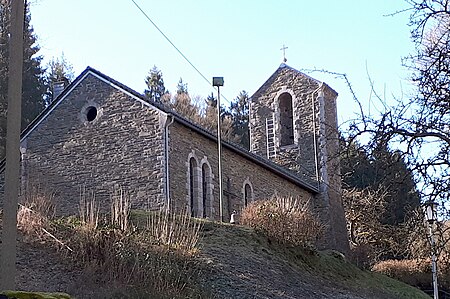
(430, 208)
(218, 81)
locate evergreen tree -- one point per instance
(380, 169)
(155, 85)
(239, 111)
(58, 70)
(33, 84)
(182, 87)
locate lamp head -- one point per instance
(217, 81)
(430, 209)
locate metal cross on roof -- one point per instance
(284, 52)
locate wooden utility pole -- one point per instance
(9, 235)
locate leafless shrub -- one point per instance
(414, 272)
(287, 220)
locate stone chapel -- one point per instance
(99, 134)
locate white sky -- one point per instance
(237, 39)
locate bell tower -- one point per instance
(293, 122)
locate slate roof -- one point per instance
(295, 178)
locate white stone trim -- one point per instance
(323, 153)
(209, 189)
(197, 188)
(83, 112)
(277, 117)
(252, 193)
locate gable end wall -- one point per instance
(122, 147)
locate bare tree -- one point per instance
(419, 128)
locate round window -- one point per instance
(91, 113)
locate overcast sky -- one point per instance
(237, 39)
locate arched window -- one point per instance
(286, 119)
(206, 195)
(248, 194)
(193, 190)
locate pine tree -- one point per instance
(155, 85)
(182, 87)
(58, 70)
(239, 110)
(33, 84)
(380, 169)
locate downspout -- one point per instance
(166, 155)
(316, 153)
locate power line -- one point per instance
(176, 48)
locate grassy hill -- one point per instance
(229, 261)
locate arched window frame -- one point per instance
(192, 185)
(207, 187)
(246, 197)
(278, 116)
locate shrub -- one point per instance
(413, 272)
(284, 220)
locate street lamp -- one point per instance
(218, 81)
(430, 208)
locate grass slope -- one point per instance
(234, 262)
(245, 264)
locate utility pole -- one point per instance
(9, 235)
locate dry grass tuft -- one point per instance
(158, 256)
(180, 232)
(35, 211)
(88, 209)
(286, 220)
(120, 209)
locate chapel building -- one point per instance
(99, 135)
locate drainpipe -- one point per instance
(166, 155)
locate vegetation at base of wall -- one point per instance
(156, 260)
(285, 220)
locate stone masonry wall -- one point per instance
(331, 164)
(122, 146)
(264, 104)
(315, 122)
(236, 170)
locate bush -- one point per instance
(416, 272)
(284, 220)
(413, 272)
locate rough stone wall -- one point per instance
(237, 170)
(331, 172)
(315, 122)
(123, 146)
(2, 187)
(264, 104)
